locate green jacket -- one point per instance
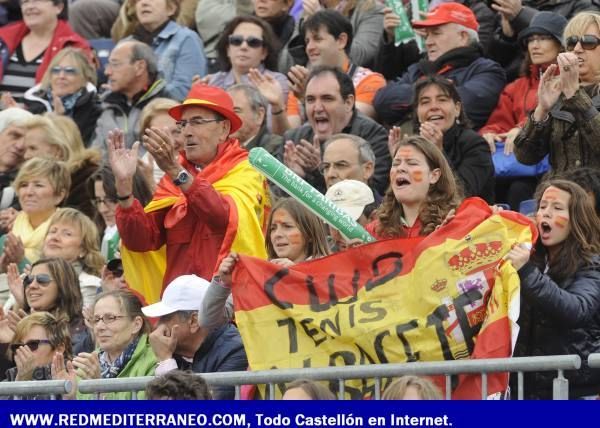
(142, 363)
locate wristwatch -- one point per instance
(182, 177)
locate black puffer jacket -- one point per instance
(559, 319)
(470, 158)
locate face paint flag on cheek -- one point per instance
(561, 221)
(417, 176)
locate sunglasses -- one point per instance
(115, 266)
(588, 42)
(32, 344)
(42, 279)
(253, 42)
(68, 70)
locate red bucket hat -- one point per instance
(212, 98)
(447, 13)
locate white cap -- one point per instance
(351, 195)
(184, 293)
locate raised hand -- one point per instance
(509, 8)
(310, 7)
(14, 317)
(13, 249)
(6, 333)
(87, 365)
(226, 267)
(390, 22)
(569, 73)
(7, 100)
(62, 371)
(123, 161)
(57, 105)
(309, 154)
(549, 90)
(25, 363)
(7, 218)
(15, 284)
(163, 341)
(509, 140)
(161, 146)
(433, 133)
(298, 77)
(291, 159)
(268, 87)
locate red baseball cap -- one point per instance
(212, 98)
(448, 13)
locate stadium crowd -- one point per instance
(124, 136)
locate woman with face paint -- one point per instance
(295, 235)
(422, 191)
(441, 119)
(560, 286)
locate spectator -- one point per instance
(156, 114)
(29, 45)
(93, 19)
(41, 187)
(589, 180)
(68, 87)
(133, 79)
(181, 341)
(295, 235)
(251, 106)
(12, 148)
(347, 156)
(329, 38)
(121, 331)
(179, 50)
(367, 22)
(276, 14)
(212, 210)
(566, 122)
(44, 139)
(38, 338)
(330, 108)
(559, 288)
(412, 388)
(106, 202)
(248, 43)
(452, 52)
(440, 118)
(178, 385)
(52, 286)
(542, 42)
(422, 192)
(305, 389)
(355, 198)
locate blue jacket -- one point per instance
(479, 82)
(180, 53)
(221, 351)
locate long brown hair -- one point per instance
(441, 198)
(583, 241)
(312, 229)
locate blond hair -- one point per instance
(91, 259)
(397, 389)
(54, 136)
(87, 71)
(153, 109)
(57, 330)
(55, 171)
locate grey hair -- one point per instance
(13, 116)
(141, 51)
(255, 98)
(472, 34)
(365, 151)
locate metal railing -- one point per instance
(594, 361)
(271, 378)
(51, 388)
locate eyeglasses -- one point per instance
(115, 266)
(43, 279)
(32, 344)
(325, 166)
(252, 42)
(538, 38)
(194, 121)
(588, 42)
(107, 318)
(68, 70)
(105, 201)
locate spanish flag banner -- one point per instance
(443, 297)
(244, 189)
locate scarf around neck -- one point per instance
(33, 239)
(112, 370)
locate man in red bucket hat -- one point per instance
(452, 51)
(209, 202)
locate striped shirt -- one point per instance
(19, 74)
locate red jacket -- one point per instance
(12, 35)
(516, 101)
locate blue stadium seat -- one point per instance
(528, 207)
(102, 47)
